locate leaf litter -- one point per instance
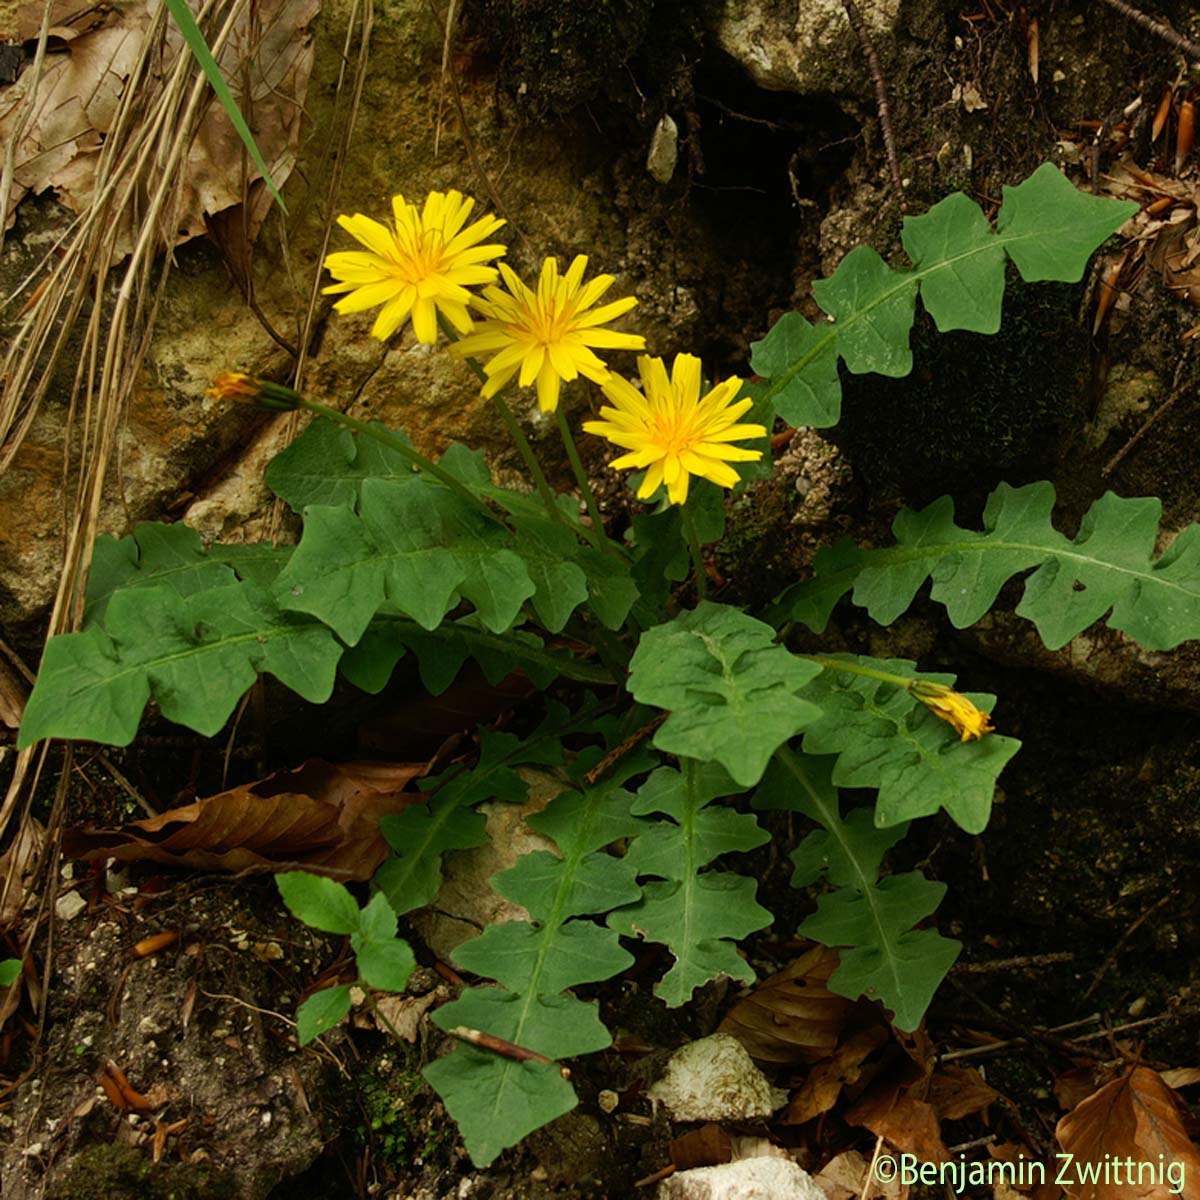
(94, 53)
(322, 817)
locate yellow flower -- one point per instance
(674, 432)
(421, 266)
(546, 334)
(238, 385)
(953, 707)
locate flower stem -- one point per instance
(837, 664)
(596, 534)
(514, 431)
(693, 541)
(401, 447)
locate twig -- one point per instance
(1151, 420)
(1158, 28)
(487, 1041)
(657, 1177)
(881, 98)
(1013, 964)
(617, 753)
(1106, 965)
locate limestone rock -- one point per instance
(750, 1179)
(714, 1079)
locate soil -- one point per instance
(1091, 852)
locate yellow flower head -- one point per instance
(547, 334)
(421, 266)
(673, 431)
(238, 385)
(954, 707)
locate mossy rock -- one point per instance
(118, 1172)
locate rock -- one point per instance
(714, 1079)
(804, 48)
(750, 1179)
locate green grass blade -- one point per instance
(203, 55)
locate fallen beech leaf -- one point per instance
(322, 817)
(845, 1177)
(1136, 1118)
(266, 59)
(957, 1092)
(1179, 1077)
(909, 1124)
(820, 1091)
(791, 1017)
(1076, 1085)
(704, 1147)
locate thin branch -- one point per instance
(1159, 28)
(881, 97)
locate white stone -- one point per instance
(68, 905)
(714, 1079)
(749, 1179)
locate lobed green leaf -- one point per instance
(1110, 568)
(697, 914)
(731, 691)
(885, 738)
(196, 655)
(870, 920)
(1047, 227)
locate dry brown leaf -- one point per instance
(957, 1092)
(909, 1124)
(820, 1091)
(322, 817)
(267, 61)
(1135, 1118)
(703, 1147)
(1179, 1077)
(17, 865)
(1076, 1085)
(845, 1176)
(791, 1017)
(400, 1016)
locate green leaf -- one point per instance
(1047, 227)
(169, 556)
(420, 836)
(961, 262)
(196, 654)
(495, 1108)
(886, 738)
(730, 689)
(321, 1011)
(660, 554)
(698, 916)
(10, 971)
(385, 965)
(203, 56)
(327, 465)
(881, 955)
(1050, 228)
(811, 395)
(1109, 568)
(417, 545)
(491, 1096)
(874, 308)
(319, 902)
